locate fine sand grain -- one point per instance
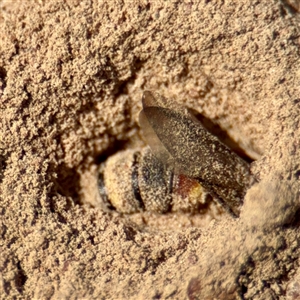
(72, 74)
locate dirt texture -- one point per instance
(72, 74)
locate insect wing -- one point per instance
(153, 141)
(154, 121)
(178, 139)
(175, 138)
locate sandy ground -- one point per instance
(72, 75)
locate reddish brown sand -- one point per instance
(71, 78)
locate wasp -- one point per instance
(182, 170)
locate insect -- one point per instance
(185, 166)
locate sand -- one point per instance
(72, 74)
